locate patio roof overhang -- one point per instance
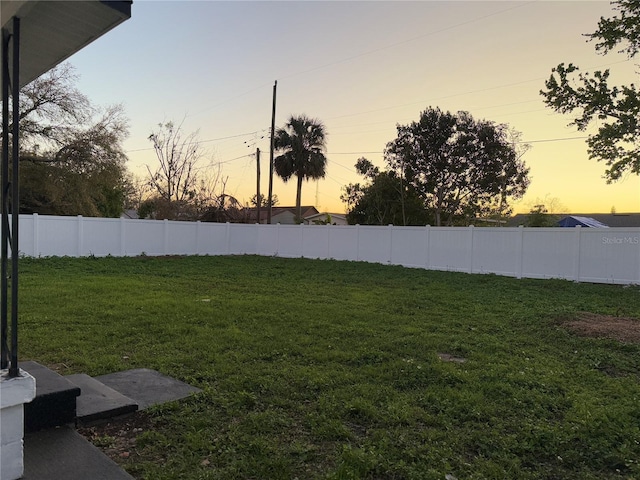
(52, 31)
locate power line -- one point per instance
(350, 153)
(204, 141)
(387, 47)
(470, 92)
(227, 100)
(554, 140)
(544, 140)
(237, 158)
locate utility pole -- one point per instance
(258, 199)
(273, 127)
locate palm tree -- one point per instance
(302, 142)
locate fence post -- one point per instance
(471, 230)
(576, 258)
(638, 279)
(519, 251)
(198, 237)
(36, 249)
(301, 240)
(427, 240)
(390, 228)
(227, 238)
(277, 239)
(165, 236)
(357, 242)
(123, 250)
(80, 232)
(328, 227)
(257, 238)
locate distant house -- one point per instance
(614, 220)
(324, 218)
(130, 213)
(282, 215)
(287, 215)
(578, 221)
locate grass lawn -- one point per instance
(335, 370)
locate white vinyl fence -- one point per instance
(606, 255)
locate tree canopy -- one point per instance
(302, 142)
(52, 109)
(614, 109)
(460, 167)
(175, 177)
(385, 199)
(72, 160)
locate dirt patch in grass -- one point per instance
(117, 437)
(622, 329)
(447, 357)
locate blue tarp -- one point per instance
(572, 221)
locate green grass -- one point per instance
(322, 369)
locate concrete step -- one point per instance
(55, 402)
(98, 401)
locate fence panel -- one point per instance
(449, 249)
(315, 241)
(496, 250)
(549, 253)
(267, 239)
(408, 246)
(242, 239)
(180, 238)
(343, 243)
(212, 239)
(56, 236)
(28, 235)
(99, 236)
(374, 244)
(290, 241)
(144, 236)
(610, 255)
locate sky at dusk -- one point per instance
(361, 68)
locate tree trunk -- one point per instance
(298, 200)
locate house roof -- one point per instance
(324, 215)
(50, 32)
(252, 212)
(130, 213)
(616, 220)
(575, 220)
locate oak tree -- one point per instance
(385, 199)
(72, 160)
(591, 98)
(460, 167)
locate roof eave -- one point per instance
(50, 32)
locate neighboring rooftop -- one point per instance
(575, 221)
(284, 215)
(615, 220)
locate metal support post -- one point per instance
(4, 356)
(10, 196)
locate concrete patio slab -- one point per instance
(147, 387)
